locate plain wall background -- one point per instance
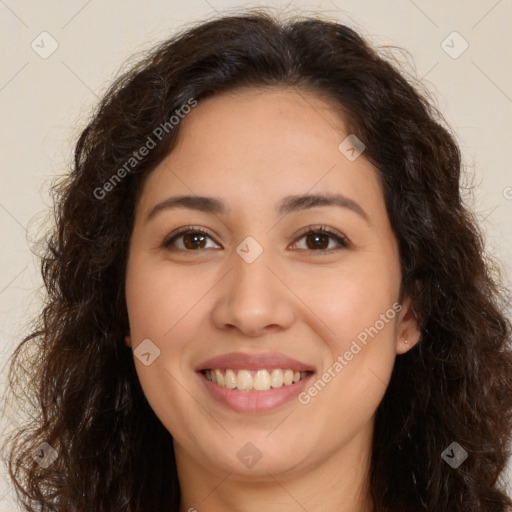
(44, 102)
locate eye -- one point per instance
(191, 238)
(317, 239)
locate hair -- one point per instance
(455, 385)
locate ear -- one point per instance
(407, 329)
(128, 341)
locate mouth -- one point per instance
(254, 380)
(254, 383)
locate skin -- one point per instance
(251, 148)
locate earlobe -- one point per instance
(404, 345)
(128, 341)
(409, 332)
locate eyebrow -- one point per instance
(287, 205)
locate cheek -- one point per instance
(160, 308)
(158, 296)
(359, 312)
(353, 298)
(361, 343)
(361, 347)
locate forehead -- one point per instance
(253, 146)
(269, 121)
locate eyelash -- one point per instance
(343, 242)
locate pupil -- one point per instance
(195, 238)
(318, 238)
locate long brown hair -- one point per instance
(453, 386)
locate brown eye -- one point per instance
(318, 240)
(188, 240)
(194, 240)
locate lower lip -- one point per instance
(254, 401)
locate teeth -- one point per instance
(244, 380)
(229, 379)
(288, 377)
(219, 378)
(276, 378)
(260, 380)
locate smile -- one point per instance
(254, 380)
(252, 391)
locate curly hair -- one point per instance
(453, 386)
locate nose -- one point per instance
(254, 298)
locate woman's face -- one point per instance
(260, 294)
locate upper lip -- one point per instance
(268, 360)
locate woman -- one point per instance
(264, 290)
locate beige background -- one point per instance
(44, 102)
